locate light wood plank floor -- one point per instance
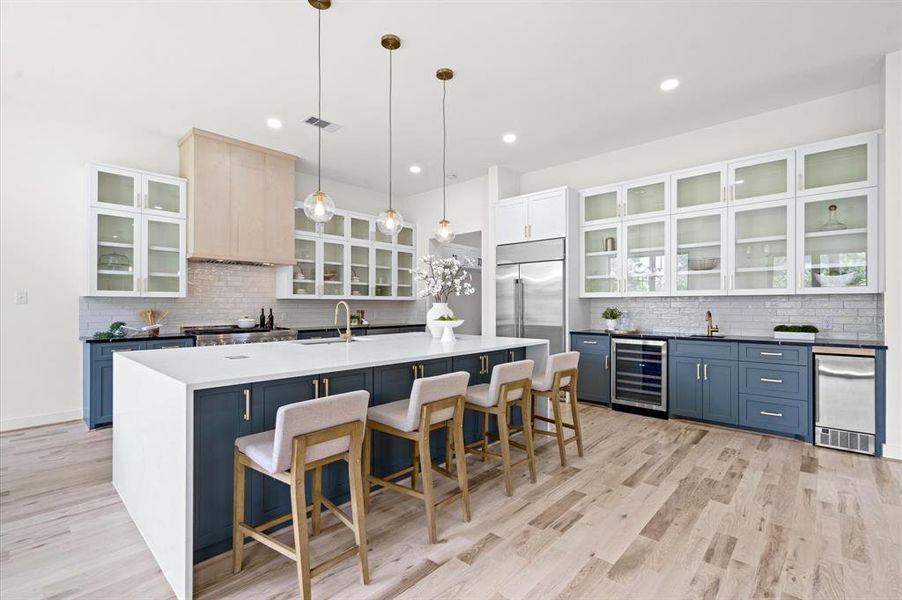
(656, 509)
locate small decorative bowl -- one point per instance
(844, 280)
(703, 264)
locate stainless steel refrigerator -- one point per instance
(530, 291)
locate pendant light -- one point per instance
(318, 206)
(443, 233)
(390, 221)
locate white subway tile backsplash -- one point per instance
(220, 294)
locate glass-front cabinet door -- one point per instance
(360, 228)
(407, 236)
(116, 258)
(163, 243)
(836, 240)
(768, 177)
(303, 276)
(646, 197)
(335, 226)
(762, 248)
(116, 188)
(602, 268)
(302, 224)
(163, 195)
(384, 273)
(837, 165)
(333, 269)
(646, 270)
(360, 270)
(699, 253)
(600, 205)
(701, 188)
(405, 273)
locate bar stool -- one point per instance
(308, 435)
(434, 402)
(561, 375)
(509, 386)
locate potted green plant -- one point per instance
(611, 316)
(804, 333)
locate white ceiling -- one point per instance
(572, 79)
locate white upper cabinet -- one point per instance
(838, 165)
(700, 188)
(602, 264)
(163, 256)
(139, 191)
(539, 216)
(646, 197)
(600, 205)
(163, 196)
(699, 253)
(646, 269)
(762, 247)
(837, 242)
(767, 177)
(115, 253)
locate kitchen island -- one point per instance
(177, 413)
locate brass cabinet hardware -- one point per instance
(422, 368)
(414, 367)
(316, 388)
(512, 355)
(326, 382)
(247, 404)
(801, 182)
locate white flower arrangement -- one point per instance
(442, 277)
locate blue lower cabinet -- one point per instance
(391, 383)
(777, 415)
(97, 374)
(720, 398)
(685, 387)
(782, 381)
(336, 485)
(472, 364)
(594, 367)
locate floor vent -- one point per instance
(322, 124)
(841, 439)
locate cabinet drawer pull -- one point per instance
(607, 362)
(706, 372)
(170, 346)
(771, 414)
(326, 383)
(316, 388)
(512, 356)
(118, 350)
(767, 380)
(771, 354)
(414, 367)
(698, 371)
(247, 405)
(422, 368)
(589, 342)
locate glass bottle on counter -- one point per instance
(270, 320)
(262, 321)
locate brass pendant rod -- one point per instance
(319, 100)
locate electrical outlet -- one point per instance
(828, 323)
(21, 296)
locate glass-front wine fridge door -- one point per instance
(699, 261)
(762, 250)
(116, 256)
(164, 257)
(602, 269)
(837, 242)
(646, 269)
(639, 373)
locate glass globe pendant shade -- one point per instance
(319, 207)
(390, 222)
(443, 233)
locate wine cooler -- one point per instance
(639, 373)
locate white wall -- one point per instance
(892, 196)
(42, 238)
(345, 195)
(847, 113)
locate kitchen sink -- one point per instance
(319, 341)
(705, 335)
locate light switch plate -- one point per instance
(21, 296)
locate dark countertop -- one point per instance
(370, 326)
(650, 335)
(136, 338)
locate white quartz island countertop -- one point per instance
(214, 366)
(155, 422)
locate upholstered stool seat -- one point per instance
(434, 403)
(560, 376)
(308, 435)
(509, 386)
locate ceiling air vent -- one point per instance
(322, 124)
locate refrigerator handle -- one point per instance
(518, 307)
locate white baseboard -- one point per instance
(38, 420)
(892, 451)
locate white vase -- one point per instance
(437, 310)
(611, 323)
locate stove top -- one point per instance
(222, 335)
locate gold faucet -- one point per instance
(712, 328)
(346, 336)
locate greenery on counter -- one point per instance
(796, 328)
(447, 318)
(112, 332)
(612, 312)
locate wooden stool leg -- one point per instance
(299, 524)
(367, 465)
(414, 460)
(317, 499)
(426, 471)
(532, 411)
(449, 434)
(358, 515)
(527, 433)
(504, 434)
(555, 401)
(577, 428)
(485, 435)
(461, 462)
(237, 514)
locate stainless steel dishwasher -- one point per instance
(844, 399)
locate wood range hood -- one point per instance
(240, 200)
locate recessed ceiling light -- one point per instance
(509, 138)
(670, 84)
(273, 123)
(416, 169)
